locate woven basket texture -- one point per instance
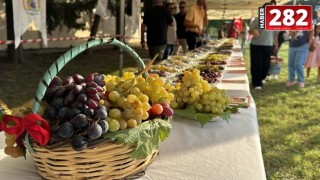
(107, 160)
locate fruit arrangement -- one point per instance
(213, 57)
(211, 74)
(138, 98)
(13, 147)
(164, 68)
(75, 109)
(180, 58)
(83, 110)
(159, 72)
(93, 127)
(198, 100)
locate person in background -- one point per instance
(297, 53)
(313, 59)
(275, 61)
(261, 47)
(233, 30)
(221, 31)
(244, 36)
(181, 28)
(205, 37)
(318, 16)
(195, 20)
(156, 21)
(172, 39)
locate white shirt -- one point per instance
(172, 33)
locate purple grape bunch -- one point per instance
(73, 109)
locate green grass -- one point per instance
(288, 118)
(289, 124)
(18, 82)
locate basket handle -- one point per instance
(66, 57)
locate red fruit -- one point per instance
(107, 95)
(167, 111)
(156, 109)
(91, 90)
(92, 84)
(78, 78)
(90, 78)
(165, 105)
(100, 89)
(91, 104)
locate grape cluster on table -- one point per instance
(73, 109)
(209, 74)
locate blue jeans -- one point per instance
(168, 51)
(297, 58)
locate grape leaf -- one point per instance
(164, 129)
(188, 112)
(145, 137)
(203, 118)
(191, 113)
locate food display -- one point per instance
(76, 118)
(165, 68)
(215, 58)
(211, 74)
(121, 119)
(198, 100)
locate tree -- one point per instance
(62, 13)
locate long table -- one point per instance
(220, 150)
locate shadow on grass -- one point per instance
(19, 82)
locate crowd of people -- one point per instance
(303, 53)
(169, 31)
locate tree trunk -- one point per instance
(14, 56)
(93, 30)
(95, 26)
(118, 21)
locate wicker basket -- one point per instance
(104, 160)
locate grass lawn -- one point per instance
(18, 82)
(288, 117)
(289, 124)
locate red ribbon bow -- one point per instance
(35, 125)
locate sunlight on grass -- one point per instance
(289, 125)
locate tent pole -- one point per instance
(121, 38)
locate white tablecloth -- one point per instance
(218, 151)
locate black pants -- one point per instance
(192, 40)
(260, 63)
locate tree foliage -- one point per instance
(68, 13)
(61, 13)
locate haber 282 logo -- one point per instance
(288, 17)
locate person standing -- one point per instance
(181, 28)
(195, 20)
(244, 36)
(297, 53)
(172, 39)
(313, 59)
(261, 47)
(233, 30)
(156, 21)
(221, 31)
